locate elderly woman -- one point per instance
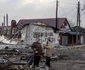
(48, 51)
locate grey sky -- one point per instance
(28, 9)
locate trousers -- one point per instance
(36, 60)
(48, 61)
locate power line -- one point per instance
(63, 10)
(67, 3)
(82, 17)
(73, 16)
(65, 13)
(68, 12)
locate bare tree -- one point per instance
(72, 24)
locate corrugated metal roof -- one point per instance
(74, 33)
(80, 29)
(64, 30)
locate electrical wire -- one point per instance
(63, 10)
(67, 3)
(68, 12)
(73, 16)
(82, 17)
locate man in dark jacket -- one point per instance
(36, 46)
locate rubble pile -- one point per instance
(4, 67)
(16, 67)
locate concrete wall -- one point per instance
(28, 34)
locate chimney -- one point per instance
(2, 23)
(6, 19)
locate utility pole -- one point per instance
(56, 16)
(4, 20)
(78, 14)
(78, 23)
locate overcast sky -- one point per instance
(31, 9)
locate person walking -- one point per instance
(37, 48)
(48, 51)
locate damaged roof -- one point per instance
(48, 21)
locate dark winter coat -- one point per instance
(36, 46)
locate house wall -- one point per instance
(82, 41)
(60, 41)
(84, 38)
(71, 39)
(65, 38)
(25, 34)
(30, 32)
